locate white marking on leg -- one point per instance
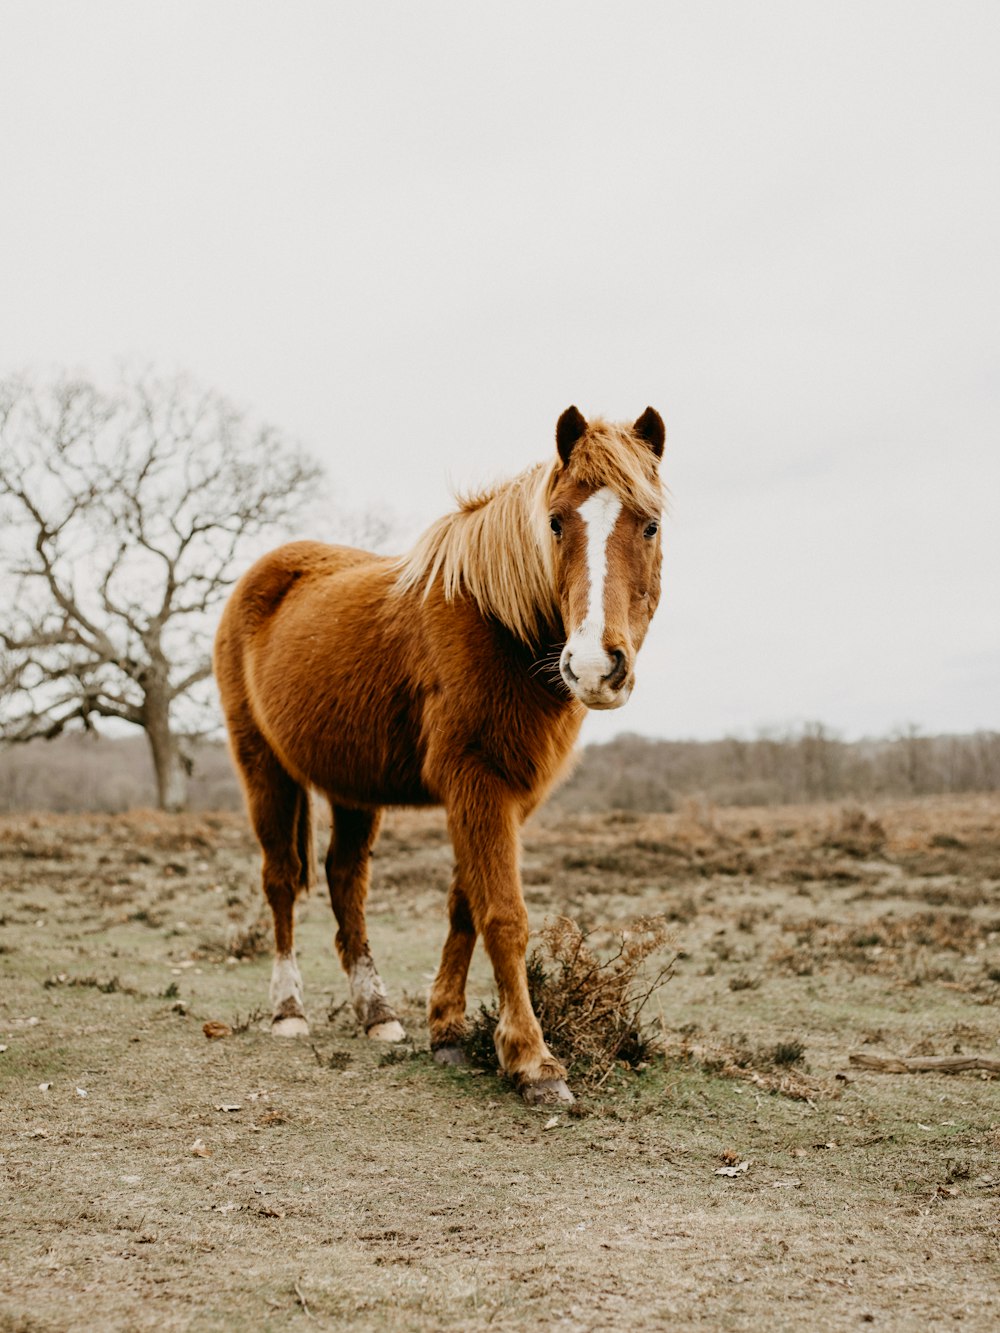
(370, 1002)
(286, 982)
(286, 998)
(584, 653)
(366, 987)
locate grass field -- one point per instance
(155, 1179)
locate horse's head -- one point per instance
(604, 510)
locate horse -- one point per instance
(456, 675)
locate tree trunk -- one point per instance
(170, 764)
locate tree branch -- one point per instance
(131, 514)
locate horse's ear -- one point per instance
(570, 426)
(650, 428)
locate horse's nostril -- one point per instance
(619, 668)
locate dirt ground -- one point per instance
(156, 1179)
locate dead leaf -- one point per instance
(44, 1087)
(274, 1118)
(270, 1212)
(214, 1029)
(551, 1122)
(732, 1170)
(229, 1106)
(198, 1149)
(82, 1092)
(38, 1134)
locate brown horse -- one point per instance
(456, 676)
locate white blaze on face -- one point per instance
(584, 653)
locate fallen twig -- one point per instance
(923, 1064)
(302, 1300)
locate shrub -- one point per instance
(590, 1009)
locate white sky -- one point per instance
(412, 234)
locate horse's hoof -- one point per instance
(391, 1031)
(547, 1092)
(450, 1055)
(290, 1027)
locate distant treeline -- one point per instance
(88, 773)
(85, 772)
(633, 773)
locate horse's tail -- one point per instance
(304, 840)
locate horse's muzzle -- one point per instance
(602, 685)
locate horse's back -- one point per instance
(315, 652)
(256, 605)
(264, 587)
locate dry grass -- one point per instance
(591, 1008)
(348, 1191)
(772, 1069)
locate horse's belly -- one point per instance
(343, 731)
(370, 771)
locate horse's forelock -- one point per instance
(611, 455)
(495, 548)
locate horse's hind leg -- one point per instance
(279, 811)
(348, 872)
(446, 1006)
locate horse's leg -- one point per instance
(484, 834)
(348, 873)
(446, 1006)
(279, 810)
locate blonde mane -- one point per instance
(495, 547)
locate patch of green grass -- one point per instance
(28, 1061)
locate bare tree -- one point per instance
(124, 518)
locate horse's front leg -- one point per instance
(484, 833)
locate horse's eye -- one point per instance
(555, 525)
(651, 529)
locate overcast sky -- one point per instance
(411, 234)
